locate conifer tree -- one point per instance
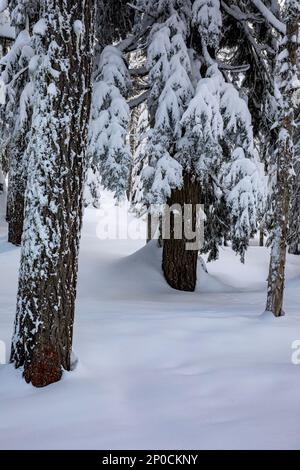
(200, 146)
(15, 112)
(56, 153)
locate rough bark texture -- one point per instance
(15, 223)
(42, 342)
(284, 160)
(17, 186)
(179, 264)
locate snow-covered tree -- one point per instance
(294, 228)
(7, 32)
(139, 161)
(56, 153)
(200, 147)
(109, 157)
(16, 114)
(109, 149)
(16, 110)
(217, 143)
(287, 93)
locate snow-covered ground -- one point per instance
(160, 368)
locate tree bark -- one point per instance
(261, 237)
(284, 165)
(294, 218)
(42, 342)
(178, 263)
(17, 187)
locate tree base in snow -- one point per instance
(179, 264)
(44, 368)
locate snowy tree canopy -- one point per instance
(109, 150)
(200, 123)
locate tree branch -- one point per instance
(137, 100)
(269, 16)
(138, 72)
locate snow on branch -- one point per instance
(207, 17)
(108, 149)
(269, 16)
(137, 100)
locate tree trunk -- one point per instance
(149, 228)
(294, 218)
(261, 237)
(16, 220)
(17, 187)
(42, 342)
(179, 264)
(284, 163)
(2, 181)
(8, 201)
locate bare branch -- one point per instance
(137, 100)
(234, 68)
(134, 7)
(138, 72)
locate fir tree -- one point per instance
(200, 146)
(19, 64)
(42, 342)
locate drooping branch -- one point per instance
(269, 16)
(236, 13)
(225, 67)
(257, 49)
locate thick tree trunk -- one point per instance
(284, 164)
(179, 264)
(42, 342)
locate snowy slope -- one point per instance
(159, 368)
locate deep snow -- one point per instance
(160, 368)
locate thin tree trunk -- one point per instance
(261, 237)
(178, 263)
(294, 218)
(284, 161)
(149, 227)
(42, 342)
(2, 181)
(8, 200)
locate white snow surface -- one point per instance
(160, 368)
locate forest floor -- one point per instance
(158, 368)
